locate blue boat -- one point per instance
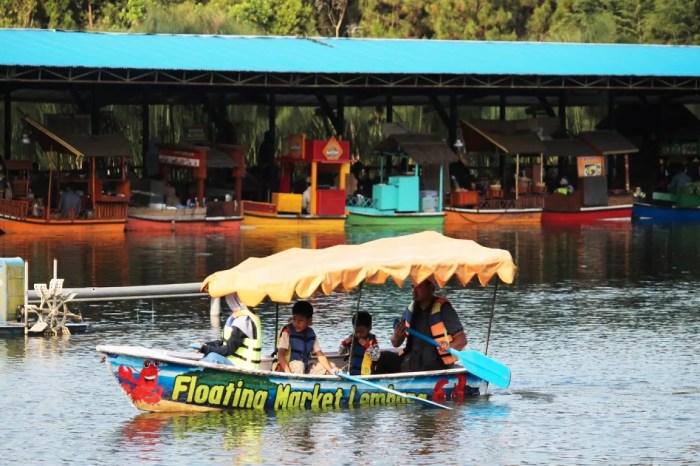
(667, 207)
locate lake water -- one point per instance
(600, 329)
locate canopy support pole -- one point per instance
(215, 307)
(354, 325)
(517, 174)
(277, 326)
(493, 308)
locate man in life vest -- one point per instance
(297, 342)
(241, 343)
(564, 187)
(432, 316)
(361, 346)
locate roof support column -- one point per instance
(337, 121)
(440, 110)
(562, 112)
(95, 116)
(340, 117)
(547, 106)
(272, 117)
(611, 110)
(501, 106)
(7, 124)
(454, 119)
(389, 108)
(145, 132)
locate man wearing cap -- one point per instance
(432, 316)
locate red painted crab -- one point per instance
(144, 388)
(457, 390)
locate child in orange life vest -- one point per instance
(297, 342)
(365, 350)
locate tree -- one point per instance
(471, 19)
(333, 11)
(18, 13)
(394, 18)
(674, 22)
(277, 17)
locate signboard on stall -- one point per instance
(295, 146)
(591, 166)
(680, 148)
(179, 158)
(333, 150)
(192, 157)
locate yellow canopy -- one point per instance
(305, 271)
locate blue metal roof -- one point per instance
(50, 48)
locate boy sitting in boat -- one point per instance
(241, 343)
(297, 342)
(361, 344)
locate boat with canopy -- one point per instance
(160, 380)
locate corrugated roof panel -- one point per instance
(23, 47)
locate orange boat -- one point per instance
(99, 203)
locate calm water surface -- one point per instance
(600, 330)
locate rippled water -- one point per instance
(600, 331)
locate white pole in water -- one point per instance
(215, 307)
(26, 297)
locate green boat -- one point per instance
(368, 216)
(410, 197)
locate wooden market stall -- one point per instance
(325, 163)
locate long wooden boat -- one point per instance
(368, 216)
(287, 209)
(15, 218)
(667, 207)
(464, 216)
(163, 381)
(658, 213)
(559, 209)
(159, 380)
(468, 208)
(397, 200)
(103, 204)
(264, 214)
(188, 220)
(588, 215)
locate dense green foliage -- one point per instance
(634, 21)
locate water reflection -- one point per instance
(603, 251)
(599, 329)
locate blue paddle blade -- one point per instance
(477, 363)
(484, 367)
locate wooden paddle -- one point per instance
(426, 402)
(477, 363)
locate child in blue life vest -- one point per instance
(297, 342)
(361, 346)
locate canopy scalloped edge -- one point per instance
(303, 272)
